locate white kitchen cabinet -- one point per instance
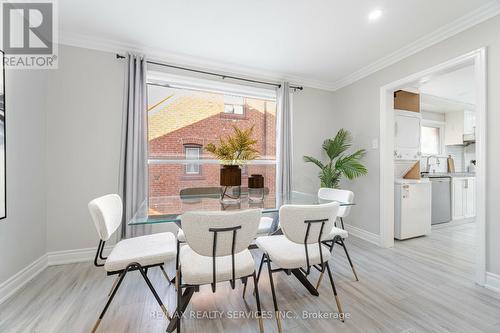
(463, 197)
(407, 135)
(458, 124)
(469, 123)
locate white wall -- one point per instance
(83, 142)
(357, 107)
(312, 124)
(22, 234)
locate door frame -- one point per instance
(478, 59)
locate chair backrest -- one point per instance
(297, 221)
(106, 212)
(332, 194)
(205, 229)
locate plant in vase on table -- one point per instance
(339, 163)
(233, 152)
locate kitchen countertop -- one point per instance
(448, 174)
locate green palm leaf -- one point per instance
(336, 146)
(350, 165)
(311, 159)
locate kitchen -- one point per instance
(435, 154)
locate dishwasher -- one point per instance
(441, 200)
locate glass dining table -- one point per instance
(169, 209)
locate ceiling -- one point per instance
(316, 41)
(453, 91)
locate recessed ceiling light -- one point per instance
(375, 15)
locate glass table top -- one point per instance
(170, 208)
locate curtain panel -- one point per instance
(134, 149)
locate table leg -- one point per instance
(186, 297)
(302, 279)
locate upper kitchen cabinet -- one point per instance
(407, 122)
(407, 135)
(459, 127)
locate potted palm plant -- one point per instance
(339, 163)
(232, 152)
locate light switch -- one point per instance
(375, 144)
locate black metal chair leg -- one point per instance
(155, 294)
(342, 222)
(179, 299)
(260, 270)
(113, 293)
(245, 287)
(257, 300)
(349, 258)
(339, 307)
(165, 275)
(273, 292)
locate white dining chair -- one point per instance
(300, 247)
(338, 235)
(216, 251)
(133, 254)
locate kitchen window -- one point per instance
(432, 138)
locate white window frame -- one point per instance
(188, 165)
(441, 126)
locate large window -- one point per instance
(183, 119)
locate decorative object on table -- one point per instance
(256, 188)
(451, 164)
(232, 152)
(3, 192)
(339, 164)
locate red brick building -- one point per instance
(183, 122)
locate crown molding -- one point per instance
(463, 23)
(112, 46)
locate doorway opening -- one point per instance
(435, 144)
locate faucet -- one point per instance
(428, 165)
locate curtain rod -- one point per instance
(223, 76)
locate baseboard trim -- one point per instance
(73, 256)
(363, 234)
(21, 278)
(492, 282)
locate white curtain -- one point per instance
(284, 149)
(134, 150)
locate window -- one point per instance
(431, 140)
(182, 119)
(192, 153)
(234, 105)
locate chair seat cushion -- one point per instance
(338, 232)
(286, 254)
(265, 225)
(146, 250)
(197, 269)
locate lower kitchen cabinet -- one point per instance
(463, 198)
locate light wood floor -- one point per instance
(421, 285)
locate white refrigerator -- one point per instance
(412, 208)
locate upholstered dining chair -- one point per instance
(216, 251)
(304, 228)
(133, 254)
(338, 235)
